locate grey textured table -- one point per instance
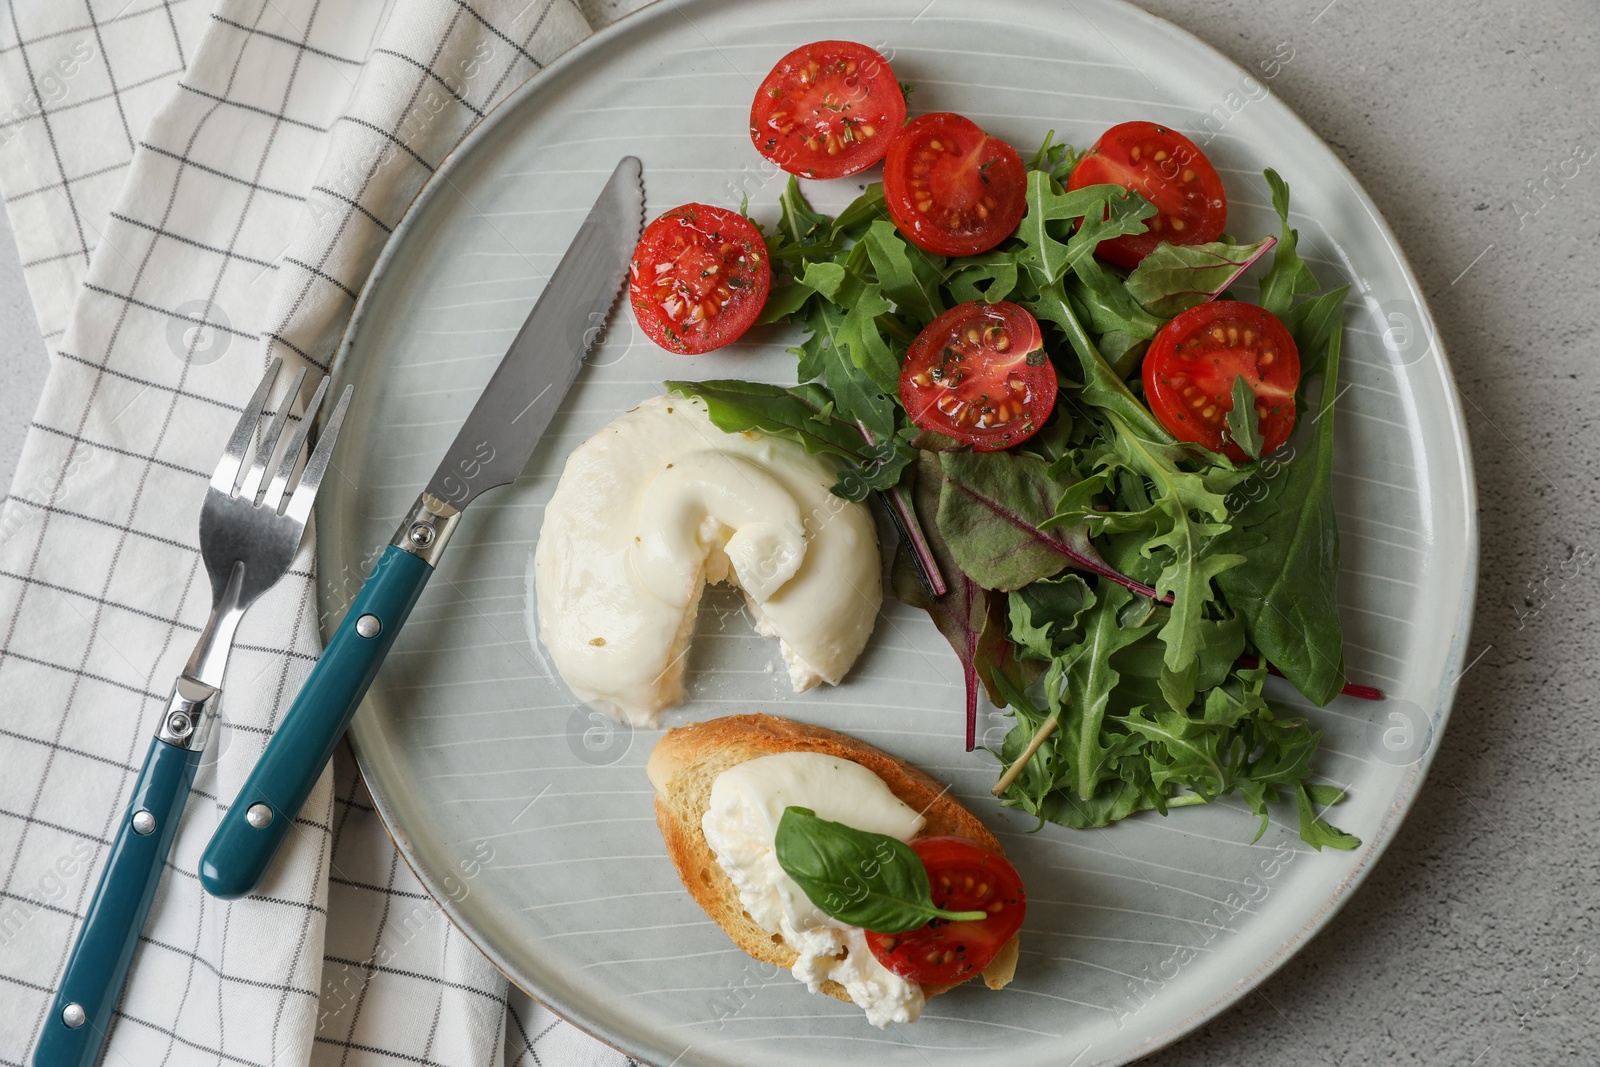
(1475, 941)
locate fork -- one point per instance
(249, 533)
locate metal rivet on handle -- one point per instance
(180, 724)
(422, 535)
(369, 626)
(259, 816)
(73, 1016)
(144, 823)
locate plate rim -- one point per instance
(1409, 789)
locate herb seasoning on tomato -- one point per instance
(1191, 365)
(951, 188)
(978, 373)
(699, 278)
(963, 877)
(827, 109)
(1167, 169)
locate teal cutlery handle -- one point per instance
(248, 837)
(75, 1029)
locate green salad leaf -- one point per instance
(1286, 540)
(1175, 278)
(1243, 423)
(968, 615)
(1104, 581)
(865, 879)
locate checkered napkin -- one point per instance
(193, 191)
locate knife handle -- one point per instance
(75, 1029)
(248, 837)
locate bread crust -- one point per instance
(688, 759)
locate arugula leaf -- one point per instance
(1286, 586)
(1175, 278)
(1243, 422)
(1101, 386)
(1056, 160)
(906, 274)
(1312, 323)
(861, 211)
(802, 234)
(784, 301)
(799, 413)
(1288, 276)
(1044, 615)
(858, 877)
(1106, 211)
(804, 414)
(991, 277)
(1090, 678)
(1189, 571)
(1043, 254)
(1316, 832)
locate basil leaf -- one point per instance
(1175, 278)
(860, 878)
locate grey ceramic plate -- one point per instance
(532, 822)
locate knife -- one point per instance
(491, 449)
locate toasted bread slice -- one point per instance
(688, 759)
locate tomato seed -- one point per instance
(1177, 225)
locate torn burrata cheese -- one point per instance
(661, 503)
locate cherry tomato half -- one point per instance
(827, 109)
(1190, 368)
(964, 876)
(978, 373)
(699, 278)
(951, 188)
(1167, 169)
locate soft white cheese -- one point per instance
(747, 802)
(661, 502)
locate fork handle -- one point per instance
(248, 837)
(75, 1029)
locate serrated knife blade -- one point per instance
(494, 444)
(539, 368)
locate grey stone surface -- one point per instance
(1475, 940)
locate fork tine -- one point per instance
(291, 455)
(226, 475)
(299, 508)
(270, 440)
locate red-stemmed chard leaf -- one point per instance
(1175, 278)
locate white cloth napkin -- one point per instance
(166, 163)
